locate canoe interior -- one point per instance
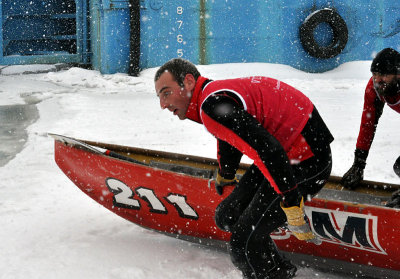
(368, 192)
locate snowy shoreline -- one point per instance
(53, 230)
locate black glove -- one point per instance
(394, 201)
(396, 167)
(221, 182)
(355, 174)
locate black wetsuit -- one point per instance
(252, 211)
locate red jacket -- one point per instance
(281, 109)
(373, 105)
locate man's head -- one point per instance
(174, 83)
(385, 69)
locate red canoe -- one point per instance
(174, 194)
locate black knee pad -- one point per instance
(227, 214)
(221, 220)
(229, 210)
(396, 167)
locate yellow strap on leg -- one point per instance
(297, 223)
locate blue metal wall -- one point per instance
(261, 31)
(202, 31)
(47, 31)
(110, 31)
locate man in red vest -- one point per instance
(382, 88)
(280, 129)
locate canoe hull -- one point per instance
(181, 204)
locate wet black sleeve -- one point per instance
(228, 158)
(248, 135)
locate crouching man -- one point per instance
(276, 126)
(382, 88)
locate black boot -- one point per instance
(285, 271)
(266, 263)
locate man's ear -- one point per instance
(189, 82)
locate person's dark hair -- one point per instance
(179, 68)
(387, 61)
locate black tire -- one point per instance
(340, 34)
(396, 167)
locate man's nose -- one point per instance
(163, 104)
(378, 78)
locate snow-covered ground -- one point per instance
(49, 229)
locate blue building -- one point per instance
(125, 36)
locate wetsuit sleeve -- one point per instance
(372, 111)
(228, 121)
(228, 159)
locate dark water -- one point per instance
(14, 119)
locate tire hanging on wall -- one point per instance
(340, 34)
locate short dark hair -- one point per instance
(179, 68)
(387, 61)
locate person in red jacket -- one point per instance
(382, 88)
(280, 129)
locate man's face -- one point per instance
(173, 96)
(385, 85)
